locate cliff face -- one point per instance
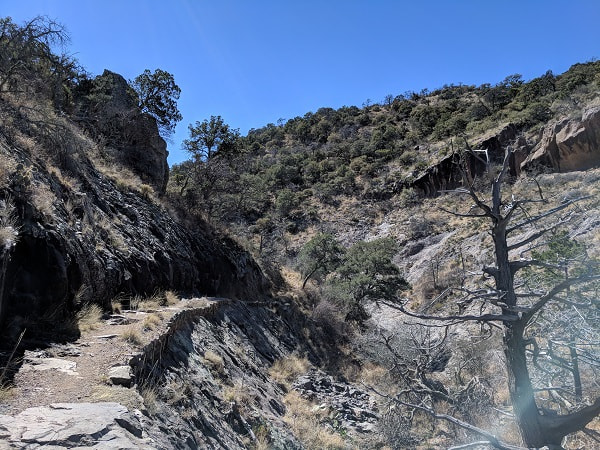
(569, 144)
(445, 175)
(87, 230)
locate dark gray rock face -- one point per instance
(352, 408)
(98, 239)
(446, 175)
(210, 372)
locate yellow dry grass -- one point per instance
(286, 370)
(89, 317)
(307, 422)
(132, 335)
(215, 362)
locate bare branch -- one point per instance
(545, 214)
(462, 214)
(555, 290)
(518, 265)
(470, 445)
(455, 318)
(492, 439)
(537, 234)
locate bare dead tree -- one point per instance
(518, 310)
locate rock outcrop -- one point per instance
(212, 370)
(445, 174)
(568, 145)
(351, 407)
(108, 107)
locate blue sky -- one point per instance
(256, 61)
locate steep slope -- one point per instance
(80, 226)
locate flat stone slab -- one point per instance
(106, 336)
(93, 425)
(62, 365)
(120, 375)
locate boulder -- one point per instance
(569, 145)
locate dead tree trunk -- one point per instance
(536, 429)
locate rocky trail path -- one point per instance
(66, 392)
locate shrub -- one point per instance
(286, 202)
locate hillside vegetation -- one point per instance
(331, 199)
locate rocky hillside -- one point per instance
(354, 302)
(83, 219)
(332, 197)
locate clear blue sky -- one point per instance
(255, 61)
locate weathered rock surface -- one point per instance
(351, 408)
(212, 369)
(70, 425)
(103, 239)
(568, 145)
(121, 375)
(45, 363)
(445, 174)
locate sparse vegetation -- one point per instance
(171, 298)
(308, 421)
(6, 392)
(336, 207)
(238, 394)
(150, 398)
(151, 321)
(133, 336)
(285, 370)
(215, 362)
(89, 317)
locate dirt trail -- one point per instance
(79, 371)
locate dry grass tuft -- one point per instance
(238, 393)
(89, 317)
(9, 230)
(7, 167)
(43, 199)
(263, 439)
(151, 321)
(150, 399)
(307, 422)
(286, 370)
(133, 336)
(7, 392)
(215, 362)
(171, 298)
